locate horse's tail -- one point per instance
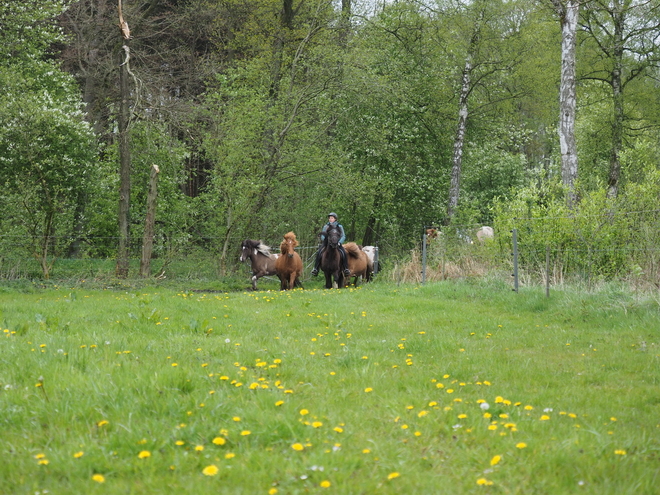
(352, 249)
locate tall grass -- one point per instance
(453, 387)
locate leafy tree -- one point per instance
(46, 148)
(623, 46)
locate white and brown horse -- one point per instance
(261, 259)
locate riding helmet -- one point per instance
(332, 214)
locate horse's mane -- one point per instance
(263, 249)
(259, 246)
(292, 237)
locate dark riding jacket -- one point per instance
(336, 225)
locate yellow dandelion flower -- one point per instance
(99, 478)
(103, 422)
(179, 442)
(529, 408)
(230, 455)
(144, 454)
(219, 441)
(368, 389)
(279, 403)
(317, 424)
(298, 447)
(325, 484)
(495, 460)
(40, 456)
(245, 433)
(421, 414)
(236, 418)
(545, 417)
(304, 412)
(620, 452)
(44, 462)
(484, 482)
(272, 491)
(393, 475)
(211, 470)
(521, 445)
(462, 416)
(78, 455)
(199, 448)
(338, 429)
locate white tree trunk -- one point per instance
(457, 157)
(568, 13)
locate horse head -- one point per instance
(332, 236)
(246, 250)
(289, 244)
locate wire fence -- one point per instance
(549, 251)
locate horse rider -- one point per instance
(332, 222)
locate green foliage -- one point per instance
(46, 157)
(598, 238)
(27, 30)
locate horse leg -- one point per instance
(328, 280)
(254, 282)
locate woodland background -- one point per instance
(264, 115)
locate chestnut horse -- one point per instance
(261, 259)
(358, 263)
(289, 265)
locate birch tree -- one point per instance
(568, 13)
(487, 63)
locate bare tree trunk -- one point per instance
(617, 97)
(124, 155)
(463, 112)
(149, 221)
(568, 16)
(457, 157)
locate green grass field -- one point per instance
(446, 388)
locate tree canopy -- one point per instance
(264, 115)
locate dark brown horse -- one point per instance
(262, 260)
(289, 265)
(331, 259)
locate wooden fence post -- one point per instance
(149, 222)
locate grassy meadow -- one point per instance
(446, 388)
